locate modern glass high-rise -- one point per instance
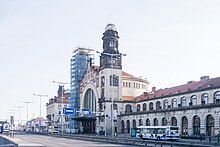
(79, 62)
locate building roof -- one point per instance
(128, 98)
(203, 84)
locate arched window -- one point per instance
(138, 108)
(217, 97)
(140, 122)
(193, 100)
(210, 125)
(90, 100)
(151, 106)
(115, 107)
(128, 126)
(164, 121)
(128, 108)
(134, 123)
(173, 121)
(183, 101)
(204, 98)
(174, 103)
(155, 122)
(165, 104)
(158, 107)
(144, 107)
(196, 125)
(147, 122)
(184, 126)
(102, 81)
(115, 81)
(122, 126)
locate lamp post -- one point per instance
(111, 81)
(19, 119)
(61, 102)
(40, 95)
(12, 122)
(27, 106)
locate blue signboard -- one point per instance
(69, 111)
(86, 112)
(1, 128)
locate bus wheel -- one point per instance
(158, 138)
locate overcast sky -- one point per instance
(169, 42)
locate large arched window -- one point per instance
(183, 101)
(165, 104)
(184, 126)
(205, 98)
(210, 125)
(155, 122)
(128, 108)
(196, 125)
(128, 126)
(134, 123)
(158, 107)
(138, 108)
(147, 122)
(140, 122)
(122, 126)
(217, 97)
(193, 100)
(174, 103)
(151, 106)
(164, 121)
(90, 100)
(144, 107)
(173, 121)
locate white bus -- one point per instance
(158, 132)
(53, 129)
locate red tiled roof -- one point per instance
(191, 86)
(126, 74)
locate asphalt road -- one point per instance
(48, 141)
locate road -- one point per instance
(48, 141)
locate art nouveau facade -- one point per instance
(119, 101)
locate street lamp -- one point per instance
(112, 109)
(40, 95)
(61, 102)
(27, 106)
(19, 107)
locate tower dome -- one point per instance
(110, 27)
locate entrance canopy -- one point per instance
(85, 118)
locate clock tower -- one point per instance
(110, 75)
(110, 57)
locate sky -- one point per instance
(169, 42)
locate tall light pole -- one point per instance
(62, 83)
(27, 106)
(40, 95)
(19, 119)
(111, 81)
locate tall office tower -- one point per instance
(79, 62)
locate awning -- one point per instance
(85, 118)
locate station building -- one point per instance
(118, 101)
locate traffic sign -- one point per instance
(1, 128)
(69, 111)
(86, 112)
